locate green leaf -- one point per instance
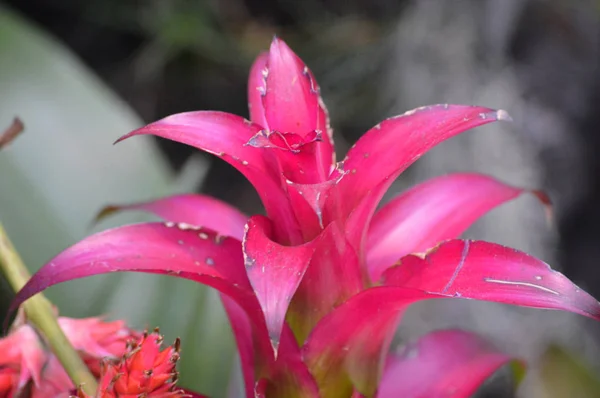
(564, 375)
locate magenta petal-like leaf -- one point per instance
(352, 341)
(488, 271)
(389, 148)
(436, 210)
(222, 134)
(257, 89)
(445, 363)
(293, 105)
(226, 135)
(192, 209)
(291, 101)
(187, 252)
(274, 271)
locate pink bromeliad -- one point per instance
(315, 289)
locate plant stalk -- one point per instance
(40, 314)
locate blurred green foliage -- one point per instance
(63, 170)
(563, 375)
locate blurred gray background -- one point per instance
(80, 74)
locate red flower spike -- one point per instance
(193, 209)
(364, 326)
(274, 271)
(445, 363)
(144, 370)
(439, 209)
(490, 272)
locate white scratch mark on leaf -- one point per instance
(463, 257)
(525, 284)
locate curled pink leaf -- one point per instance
(491, 272)
(436, 210)
(274, 271)
(444, 363)
(193, 209)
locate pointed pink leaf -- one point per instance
(193, 209)
(274, 271)
(219, 133)
(352, 341)
(293, 104)
(291, 100)
(445, 363)
(257, 90)
(390, 147)
(487, 271)
(436, 210)
(386, 150)
(226, 135)
(175, 249)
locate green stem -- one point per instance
(40, 314)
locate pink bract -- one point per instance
(314, 290)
